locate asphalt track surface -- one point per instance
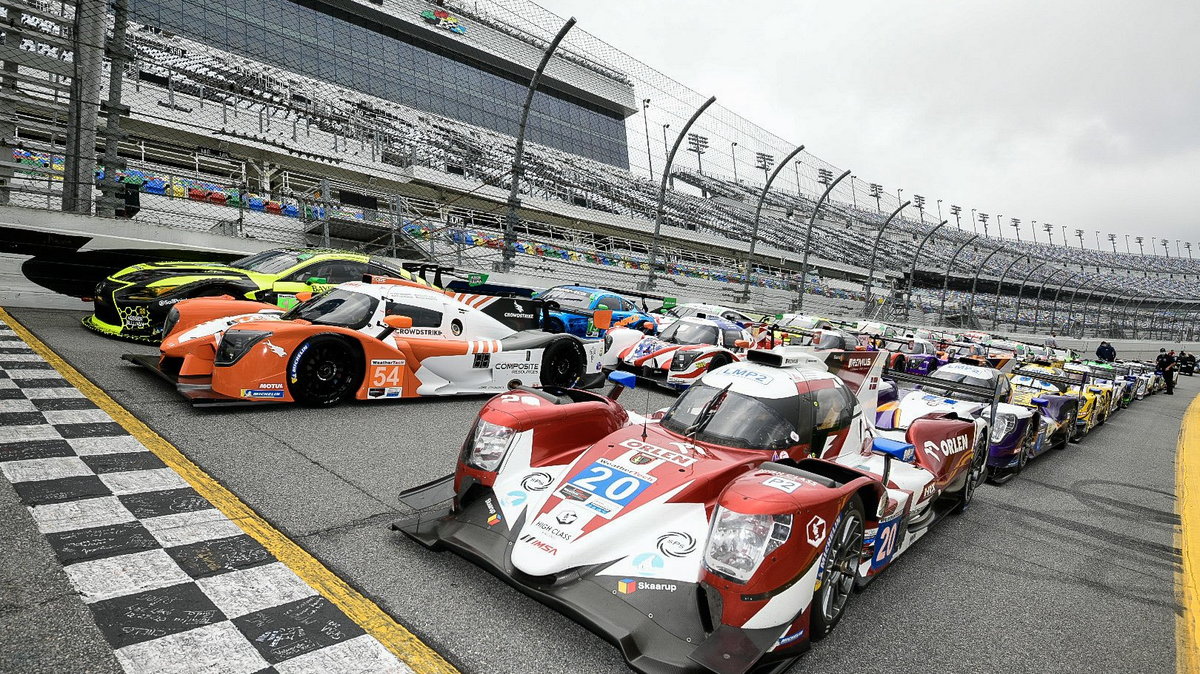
(1068, 568)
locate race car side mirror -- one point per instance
(601, 307)
(900, 451)
(317, 280)
(602, 319)
(397, 322)
(304, 296)
(1040, 401)
(742, 344)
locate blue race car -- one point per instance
(572, 308)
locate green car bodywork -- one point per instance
(134, 302)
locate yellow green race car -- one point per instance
(134, 302)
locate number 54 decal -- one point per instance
(385, 373)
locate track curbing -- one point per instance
(397, 639)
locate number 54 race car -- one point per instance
(370, 341)
(725, 535)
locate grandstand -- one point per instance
(388, 126)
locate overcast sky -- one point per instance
(1085, 114)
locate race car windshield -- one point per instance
(576, 299)
(830, 340)
(959, 377)
(739, 421)
(1030, 382)
(338, 307)
(690, 333)
(268, 261)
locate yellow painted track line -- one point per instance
(1187, 503)
(404, 644)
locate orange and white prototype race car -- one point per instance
(372, 340)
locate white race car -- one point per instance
(678, 355)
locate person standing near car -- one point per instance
(1106, 352)
(1051, 342)
(1165, 363)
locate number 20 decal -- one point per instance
(618, 487)
(885, 543)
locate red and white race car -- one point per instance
(679, 354)
(723, 535)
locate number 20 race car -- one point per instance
(385, 339)
(724, 536)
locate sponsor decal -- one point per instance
(629, 586)
(514, 314)
(648, 564)
(950, 446)
(419, 331)
(927, 491)
(573, 493)
(816, 530)
(783, 641)
(554, 531)
(535, 481)
(386, 361)
(292, 369)
(516, 498)
(783, 484)
(628, 471)
(493, 516)
(261, 393)
(567, 517)
(858, 362)
(383, 393)
(539, 544)
(526, 368)
(676, 544)
(275, 349)
(603, 510)
(675, 457)
(167, 303)
(493, 520)
(440, 18)
(271, 386)
(752, 375)
(640, 459)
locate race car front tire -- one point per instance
(837, 584)
(326, 369)
(563, 363)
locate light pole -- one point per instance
(898, 191)
(1033, 230)
(808, 239)
(983, 217)
(939, 205)
(1049, 229)
(956, 211)
(1066, 241)
(1166, 248)
(733, 156)
(1187, 245)
(1112, 238)
(1079, 233)
(757, 215)
(874, 253)
(877, 192)
(1016, 225)
(646, 126)
(920, 202)
(764, 162)
(853, 193)
(1127, 245)
(666, 151)
(699, 145)
(974, 227)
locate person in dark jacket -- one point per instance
(1166, 363)
(1187, 363)
(1106, 352)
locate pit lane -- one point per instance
(1069, 568)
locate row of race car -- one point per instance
(725, 533)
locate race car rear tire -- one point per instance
(563, 363)
(837, 583)
(324, 371)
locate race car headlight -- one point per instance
(236, 343)
(1005, 423)
(487, 445)
(150, 293)
(738, 543)
(170, 321)
(682, 359)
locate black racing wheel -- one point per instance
(841, 569)
(324, 371)
(563, 363)
(976, 473)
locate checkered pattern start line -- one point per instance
(173, 584)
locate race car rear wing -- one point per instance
(423, 269)
(1068, 378)
(935, 385)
